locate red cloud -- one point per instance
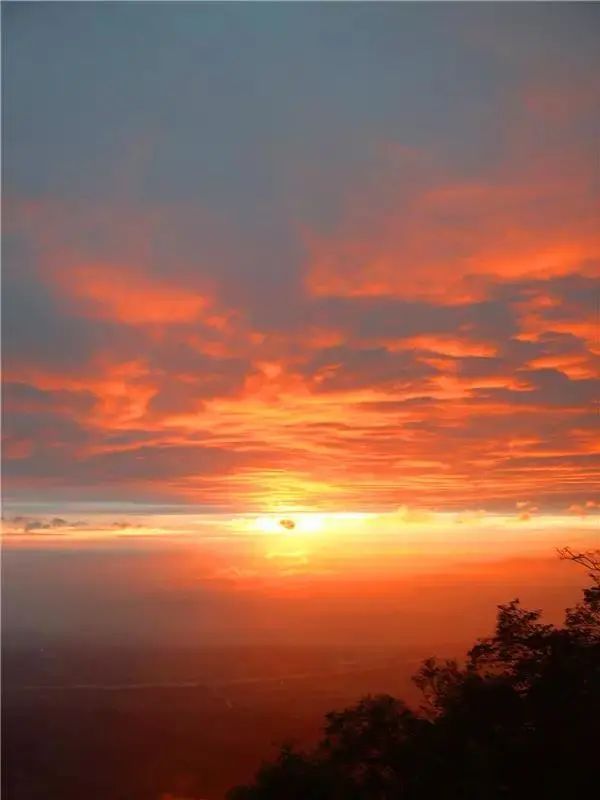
(129, 295)
(446, 239)
(389, 381)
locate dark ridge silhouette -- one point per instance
(519, 719)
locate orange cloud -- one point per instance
(131, 296)
(388, 382)
(446, 240)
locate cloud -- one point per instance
(35, 525)
(127, 295)
(448, 242)
(394, 307)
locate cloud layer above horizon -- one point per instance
(264, 256)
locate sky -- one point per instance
(336, 262)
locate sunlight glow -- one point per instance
(290, 524)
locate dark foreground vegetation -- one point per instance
(520, 719)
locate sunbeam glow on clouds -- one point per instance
(362, 281)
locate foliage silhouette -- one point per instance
(519, 719)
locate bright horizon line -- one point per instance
(163, 520)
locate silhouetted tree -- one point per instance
(519, 719)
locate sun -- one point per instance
(290, 523)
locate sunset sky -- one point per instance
(333, 261)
